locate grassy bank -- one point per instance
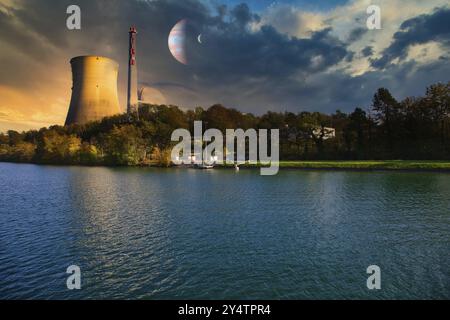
(366, 165)
(406, 165)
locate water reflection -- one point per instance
(177, 234)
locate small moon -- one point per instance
(177, 41)
(199, 38)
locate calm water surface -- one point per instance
(187, 234)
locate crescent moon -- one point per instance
(199, 38)
(177, 41)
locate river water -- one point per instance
(141, 233)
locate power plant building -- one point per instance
(94, 90)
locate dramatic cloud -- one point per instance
(419, 30)
(367, 51)
(293, 21)
(357, 34)
(280, 57)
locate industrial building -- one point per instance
(94, 90)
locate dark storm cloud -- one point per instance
(367, 51)
(418, 30)
(230, 55)
(357, 34)
(242, 16)
(17, 41)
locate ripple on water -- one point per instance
(165, 234)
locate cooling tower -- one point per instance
(94, 91)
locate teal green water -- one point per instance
(189, 234)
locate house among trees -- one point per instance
(325, 133)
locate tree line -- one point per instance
(416, 128)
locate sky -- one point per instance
(255, 55)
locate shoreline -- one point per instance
(361, 166)
(326, 165)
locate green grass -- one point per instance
(366, 165)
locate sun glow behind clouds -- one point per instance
(15, 108)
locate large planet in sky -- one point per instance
(177, 41)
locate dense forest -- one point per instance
(417, 128)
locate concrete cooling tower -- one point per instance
(94, 91)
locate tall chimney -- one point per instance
(132, 98)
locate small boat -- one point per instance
(204, 166)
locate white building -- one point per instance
(328, 133)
